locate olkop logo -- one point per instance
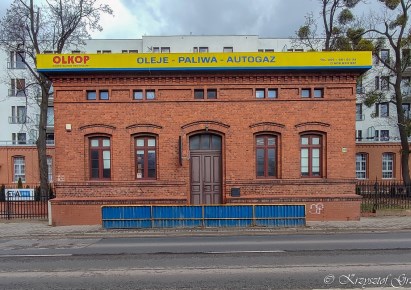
(71, 59)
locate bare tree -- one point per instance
(29, 29)
(393, 30)
(334, 30)
(390, 28)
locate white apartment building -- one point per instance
(19, 111)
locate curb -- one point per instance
(134, 233)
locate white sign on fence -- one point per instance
(19, 194)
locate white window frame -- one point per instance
(385, 55)
(388, 165)
(50, 168)
(361, 166)
(19, 168)
(385, 83)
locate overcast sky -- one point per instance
(275, 18)
(134, 18)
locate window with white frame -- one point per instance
(384, 135)
(33, 136)
(385, 83)
(406, 53)
(358, 135)
(405, 82)
(146, 156)
(17, 88)
(266, 156)
(19, 166)
(311, 155)
(50, 116)
(50, 168)
(16, 60)
(358, 112)
(388, 165)
(18, 138)
(18, 115)
(377, 82)
(100, 158)
(361, 165)
(382, 110)
(406, 109)
(385, 55)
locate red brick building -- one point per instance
(213, 135)
(22, 162)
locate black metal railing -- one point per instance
(379, 195)
(24, 203)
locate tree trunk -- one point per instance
(405, 147)
(41, 141)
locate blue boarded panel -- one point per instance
(228, 216)
(192, 216)
(126, 224)
(177, 216)
(126, 212)
(126, 217)
(279, 215)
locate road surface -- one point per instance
(350, 261)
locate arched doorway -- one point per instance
(205, 168)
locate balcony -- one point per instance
(17, 119)
(17, 143)
(378, 139)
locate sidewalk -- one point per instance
(40, 229)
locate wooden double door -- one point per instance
(205, 167)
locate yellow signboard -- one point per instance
(204, 61)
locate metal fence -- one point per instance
(24, 203)
(190, 216)
(383, 195)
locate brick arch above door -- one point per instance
(205, 126)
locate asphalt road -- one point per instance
(233, 262)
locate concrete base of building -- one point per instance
(318, 208)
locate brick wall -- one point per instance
(236, 115)
(374, 152)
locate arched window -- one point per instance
(388, 165)
(100, 158)
(361, 160)
(266, 156)
(311, 155)
(146, 157)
